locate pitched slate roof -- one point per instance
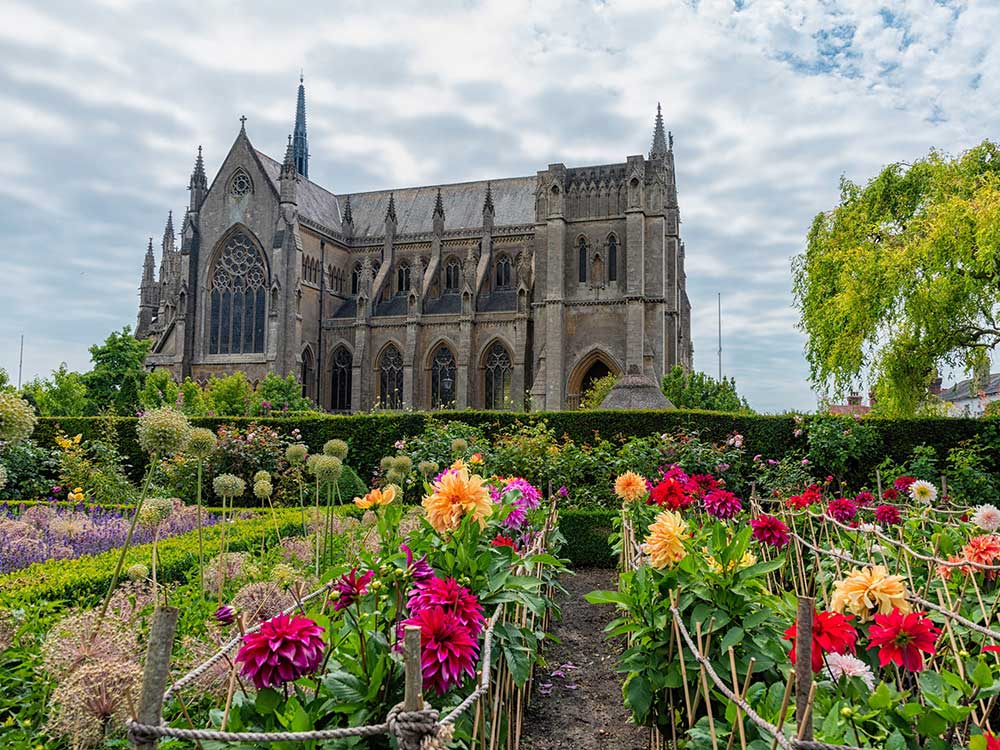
(315, 203)
(965, 389)
(513, 198)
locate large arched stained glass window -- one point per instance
(443, 371)
(390, 369)
(497, 379)
(340, 386)
(238, 300)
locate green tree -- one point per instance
(62, 395)
(158, 390)
(696, 390)
(903, 277)
(230, 396)
(598, 391)
(5, 381)
(277, 394)
(117, 375)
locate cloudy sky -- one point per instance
(103, 105)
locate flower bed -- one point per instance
(40, 533)
(894, 590)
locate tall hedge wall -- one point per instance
(371, 436)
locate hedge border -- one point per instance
(586, 532)
(371, 436)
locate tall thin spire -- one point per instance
(438, 205)
(148, 266)
(348, 217)
(488, 203)
(301, 144)
(289, 175)
(660, 147)
(168, 233)
(198, 185)
(390, 213)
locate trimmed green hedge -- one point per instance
(371, 436)
(586, 533)
(83, 580)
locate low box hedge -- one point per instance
(586, 533)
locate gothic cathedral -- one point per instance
(507, 294)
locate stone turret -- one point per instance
(149, 295)
(198, 184)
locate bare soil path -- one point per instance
(577, 698)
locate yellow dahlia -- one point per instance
(459, 464)
(715, 566)
(455, 495)
(630, 486)
(870, 591)
(665, 543)
(376, 497)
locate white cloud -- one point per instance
(770, 101)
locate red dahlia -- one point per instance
(670, 493)
(842, 509)
(447, 594)
(283, 650)
(887, 515)
(832, 634)
(902, 484)
(890, 494)
(448, 650)
(901, 638)
(770, 530)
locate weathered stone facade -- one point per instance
(511, 293)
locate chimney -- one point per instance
(871, 399)
(854, 400)
(935, 387)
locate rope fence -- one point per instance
(414, 723)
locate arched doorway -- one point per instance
(591, 368)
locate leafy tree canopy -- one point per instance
(696, 390)
(62, 395)
(117, 376)
(902, 277)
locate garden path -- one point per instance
(577, 699)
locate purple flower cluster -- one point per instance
(523, 496)
(39, 533)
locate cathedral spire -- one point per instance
(348, 217)
(198, 185)
(390, 213)
(301, 150)
(438, 206)
(168, 233)
(488, 203)
(660, 147)
(148, 267)
(289, 175)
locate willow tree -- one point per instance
(902, 277)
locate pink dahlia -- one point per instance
(722, 504)
(770, 530)
(351, 587)
(864, 499)
(283, 650)
(842, 509)
(419, 570)
(887, 515)
(448, 651)
(902, 484)
(448, 595)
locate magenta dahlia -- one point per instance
(842, 509)
(447, 594)
(770, 530)
(864, 499)
(283, 650)
(902, 484)
(722, 504)
(419, 570)
(351, 587)
(448, 651)
(887, 515)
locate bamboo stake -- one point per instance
(784, 705)
(704, 687)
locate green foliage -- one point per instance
(586, 532)
(159, 390)
(276, 394)
(30, 470)
(696, 390)
(598, 391)
(64, 394)
(231, 396)
(117, 376)
(901, 276)
(839, 445)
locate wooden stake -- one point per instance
(156, 671)
(784, 705)
(413, 698)
(803, 666)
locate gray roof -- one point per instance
(636, 391)
(966, 388)
(315, 203)
(513, 199)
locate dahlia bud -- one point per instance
(225, 615)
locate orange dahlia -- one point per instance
(665, 543)
(455, 495)
(982, 550)
(630, 486)
(869, 591)
(376, 497)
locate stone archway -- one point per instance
(590, 368)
